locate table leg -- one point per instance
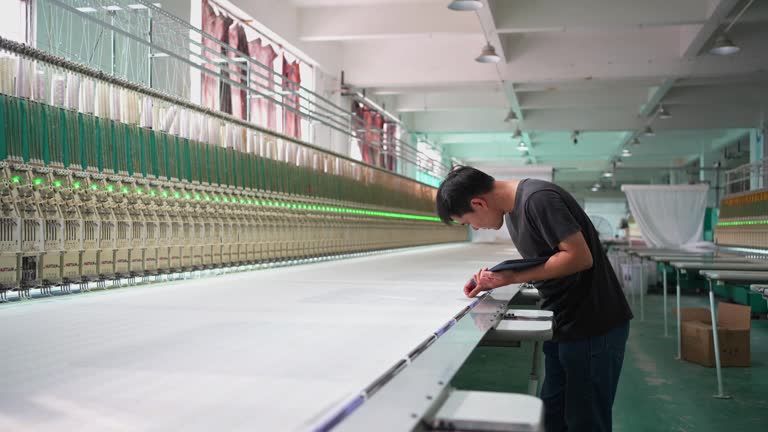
(642, 289)
(718, 370)
(679, 341)
(628, 278)
(664, 295)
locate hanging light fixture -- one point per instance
(511, 116)
(488, 55)
(626, 153)
(635, 141)
(465, 5)
(649, 132)
(595, 189)
(607, 174)
(521, 146)
(724, 46)
(663, 113)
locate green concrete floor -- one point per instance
(656, 392)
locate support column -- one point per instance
(673, 177)
(707, 175)
(756, 154)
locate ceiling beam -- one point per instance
(617, 97)
(525, 16)
(382, 21)
(450, 101)
(684, 117)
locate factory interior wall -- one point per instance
(612, 209)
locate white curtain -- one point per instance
(669, 216)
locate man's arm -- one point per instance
(573, 256)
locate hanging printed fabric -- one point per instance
(238, 69)
(263, 83)
(291, 86)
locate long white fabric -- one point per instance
(271, 350)
(669, 216)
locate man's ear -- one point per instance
(478, 202)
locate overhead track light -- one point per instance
(512, 115)
(724, 46)
(488, 55)
(649, 132)
(663, 113)
(465, 5)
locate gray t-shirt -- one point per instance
(585, 304)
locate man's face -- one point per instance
(482, 217)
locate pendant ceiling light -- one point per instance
(636, 141)
(724, 46)
(488, 55)
(511, 116)
(649, 132)
(664, 113)
(626, 153)
(465, 5)
(522, 147)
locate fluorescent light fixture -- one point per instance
(86, 9)
(488, 55)
(137, 6)
(465, 5)
(724, 46)
(113, 8)
(648, 131)
(664, 113)
(607, 174)
(160, 54)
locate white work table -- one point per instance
(275, 349)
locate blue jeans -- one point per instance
(581, 380)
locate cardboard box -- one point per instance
(733, 328)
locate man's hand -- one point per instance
(486, 280)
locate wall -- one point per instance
(612, 209)
(505, 174)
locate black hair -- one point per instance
(461, 185)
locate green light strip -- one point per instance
(742, 223)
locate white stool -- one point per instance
(490, 411)
(528, 325)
